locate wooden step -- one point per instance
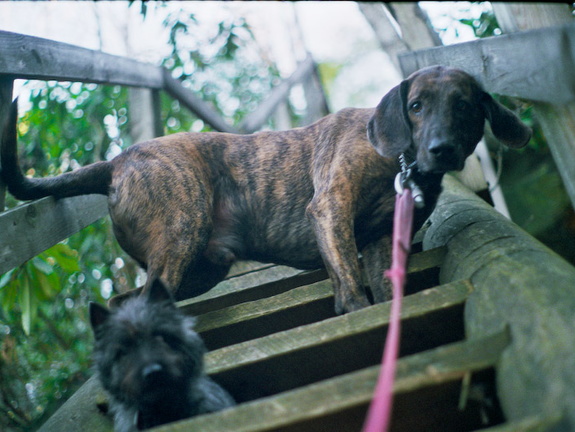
(322, 350)
(427, 384)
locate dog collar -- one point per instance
(404, 179)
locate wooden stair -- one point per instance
(292, 365)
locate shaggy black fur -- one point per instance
(150, 361)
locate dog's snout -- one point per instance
(441, 147)
(152, 370)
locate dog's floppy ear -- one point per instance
(389, 130)
(98, 315)
(505, 125)
(157, 292)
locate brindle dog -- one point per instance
(186, 206)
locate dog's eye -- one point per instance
(170, 340)
(461, 105)
(416, 107)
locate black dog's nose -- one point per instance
(151, 370)
(441, 148)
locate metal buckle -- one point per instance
(404, 180)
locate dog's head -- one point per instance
(146, 350)
(436, 116)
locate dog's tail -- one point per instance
(92, 179)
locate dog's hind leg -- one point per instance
(200, 277)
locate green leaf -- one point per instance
(6, 277)
(40, 263)
(26, 307)
(65, 257)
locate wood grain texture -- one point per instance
(536, 65)
(30, 57)
(34, 227)
(518, 283)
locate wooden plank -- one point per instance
(252, 286)
(251, 320)
(82, 411)
(534, 65)
(272, 363)
(271, 280)
(34, 227)
(518, 282)
(30, 57)
(299, 306)
(240, 268)
(200, 108)
(340, 403)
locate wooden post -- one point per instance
(557, 120)
(145, 117)
(6, 85)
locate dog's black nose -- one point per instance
(442, 148)
(152, 370)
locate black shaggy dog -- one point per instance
(150, 361)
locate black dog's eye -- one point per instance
(416, 107)
(171, 340)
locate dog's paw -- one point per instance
(351, 305)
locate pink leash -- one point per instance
(379, 414)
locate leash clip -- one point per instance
(404, 179)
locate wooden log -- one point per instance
(518, 283)
(30, 57)
(32, 228)
(534, 65)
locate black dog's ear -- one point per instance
(98, 315)
(505, 125)
(389, 130)
(157, 292)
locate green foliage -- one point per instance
(221, 62)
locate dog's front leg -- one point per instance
(376, 259)
(333, 227)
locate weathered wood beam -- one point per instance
(344, 343)
(299, 306)
(252, 286)
(34, 227)
(340, 403)
(518, 283)
(326, 405)
(536, 65)
(30, 57)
